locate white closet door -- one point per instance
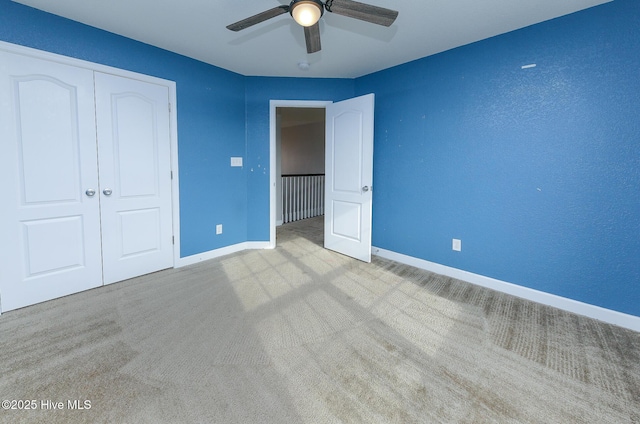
(49, 219)
(135, 176)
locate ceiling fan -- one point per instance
(308, 12)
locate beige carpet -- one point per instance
(300, 334)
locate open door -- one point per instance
(349, 177)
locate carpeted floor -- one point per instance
(300, 334)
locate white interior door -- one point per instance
(135, 176)
(349, 175)
(49, 226)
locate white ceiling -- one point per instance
(350, 48)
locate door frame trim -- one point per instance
(173, 117)
(273, 104)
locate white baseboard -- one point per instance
(631, 322)
(212, 254)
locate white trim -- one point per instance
(79, 63)
(273, 104)
(175, 173)
(171, 85)
(258, 245)
(631, 322)
(223, 251)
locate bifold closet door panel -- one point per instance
(50, 225)
(135, 176)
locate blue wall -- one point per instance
(259, 91)
(211, 121)
(537, 170)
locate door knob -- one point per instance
(365, 189)
(90, 192)
(107, 191)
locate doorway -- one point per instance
(349, 172)
(292, 118)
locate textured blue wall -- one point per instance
(259, 91)
(211, 121)
(537, 170)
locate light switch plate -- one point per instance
(456, 245)
(236, 161)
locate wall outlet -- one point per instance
(456, 245)
(219, 229)
(236, 161)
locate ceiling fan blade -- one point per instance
(364, 12)
(260, 17)
(312, 37)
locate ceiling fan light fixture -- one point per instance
(306, 12)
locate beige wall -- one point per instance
(302, 149)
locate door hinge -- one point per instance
(173, 239)
(169, 107)
(171, 174)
